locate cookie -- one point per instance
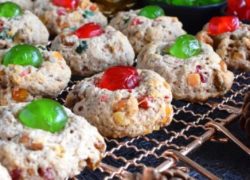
(25, 4)
(22, 83)
(141, 30)
(4, 173)
(24, 28)
(233, 47)
(92, 54)
(130, 103)
(30, 153)
(57, 16)
(194, 79)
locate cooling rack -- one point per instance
(193, 124)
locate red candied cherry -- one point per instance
(89, 30)
(219, 25)
(119, 77)
(69, 4)
(248, 3)
(244, 13)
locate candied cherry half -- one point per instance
(44, 114)
(119, 77)
(10, 10)
(89, 30)
(151, 12)
(69, 4)
(220, 25)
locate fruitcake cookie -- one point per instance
(92, 49)
(27, 72)
(147, 25)
(245, 118)
(25, 4)
(44, 140)
(230, 39)
(123, 101)
(20, 26)
(60, 14)
(194, 71)
(4, 173)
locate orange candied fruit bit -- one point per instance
(19, 94)
(223, 65)
(169, 112)
(57, 55)
(93, 7)
(194, 79)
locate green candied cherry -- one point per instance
(45, 114)
(185, 46)
(23, 54)
(151, 12)
(10, 10)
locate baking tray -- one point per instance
(192, 126)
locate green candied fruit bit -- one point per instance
(151, 12)
(44, 114)
(82, 47)
(185, 46)
(23, 54)
(10, 10)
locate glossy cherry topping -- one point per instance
(240, 8)
(89, 30)
(119, 77)
(220, 25)
(235, 4)
(69, 4)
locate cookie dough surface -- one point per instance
(46, 81)
(25, 4)
(37, 154)
(93, 55)
(194, 79)
(4, 173)
(58, 18)
(141, 30)
(26, 28)
(123, 113)
(233, 47)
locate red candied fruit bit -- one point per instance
(219, 25)
(47, 173)
(144, 102)
(119, 77)
(69, 4)
(136, 22)
(89, 30)
(15, 174)
(202, 75)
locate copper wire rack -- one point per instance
(193, 124)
